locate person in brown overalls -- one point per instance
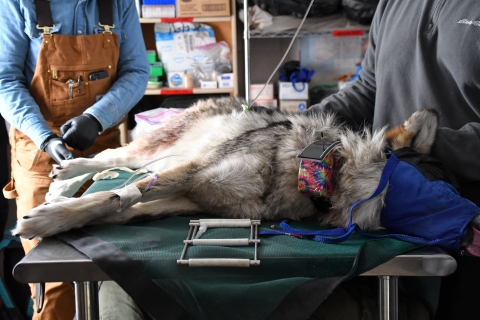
(72, 73)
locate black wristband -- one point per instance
(43, 146)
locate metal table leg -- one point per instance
(86, 300)
(388, 297)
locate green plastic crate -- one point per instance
(152, 56)
(156, 69)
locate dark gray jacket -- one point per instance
(422, 54)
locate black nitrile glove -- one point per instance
(55, 147)
(80, 132)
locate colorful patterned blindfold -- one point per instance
(319, 164)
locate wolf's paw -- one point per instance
(46, 220)
(58, 188)
(66, 188)
(51, 198)
(69, 169)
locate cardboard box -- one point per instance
(287, 91)
(208, 84)
(267, 103)
(225, 80)
(203, 8)
(267, 93)
(293, 105)
(158, 11)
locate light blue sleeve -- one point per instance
(132, 74)
(17, 106)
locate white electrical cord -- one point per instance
(286, 52)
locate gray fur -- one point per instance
(219, 159)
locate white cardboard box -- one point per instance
(208, 84)
(225, 80)
(293, 105)
(267, 103)
(158, 11)
(203, 8)
(289, 91)
(267, 93)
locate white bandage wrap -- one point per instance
(110, 174)
(104, 175)
(129, 196)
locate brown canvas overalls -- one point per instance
(61, 58)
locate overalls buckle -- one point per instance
(106, 27)
(46, 29)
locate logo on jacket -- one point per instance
(472, 22)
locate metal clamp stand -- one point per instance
(195, 225)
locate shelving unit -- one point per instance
(305, 33)
(225, 30)
(170, 20)
(174, 91)
(336, 25)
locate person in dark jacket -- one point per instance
(424, 54)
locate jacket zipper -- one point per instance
(435, 14)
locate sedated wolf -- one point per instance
(220, 159)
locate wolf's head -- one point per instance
(364, 159)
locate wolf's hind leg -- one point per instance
(419, 129)
(173, 182)
(127, 156)
(151, 210)
(66, 188)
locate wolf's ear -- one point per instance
(417, 132)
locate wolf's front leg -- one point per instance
(49, 219)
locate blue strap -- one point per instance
(287, 228)
(386, 173)
(6, 241)
(294, 85)
(4, 296)
(336, 235)
(302, 75)
(297, 233)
